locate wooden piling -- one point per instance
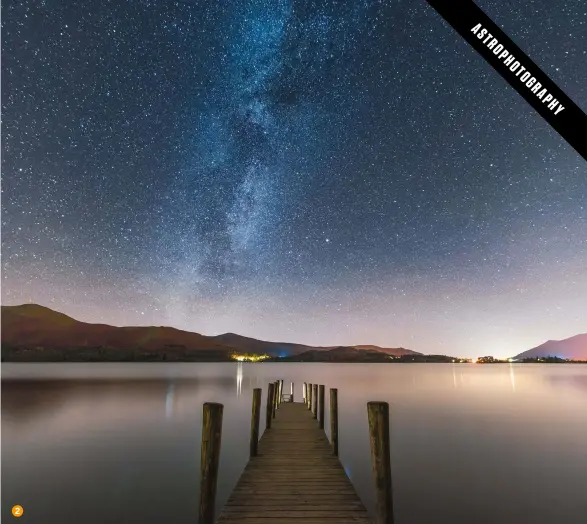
(309, 399)
(334, 420)
(276, 397)
(255, 417)
(280, 392)
(321, 405)
(378, 413)
(305, 392)
(270, 401)
(315, 400)
(292, 392)
(210, 456)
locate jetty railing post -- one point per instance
(321, 405)
(305, 392)
(292, 392)
(280, 392)
(210, 456)
(275, 397)
(270, 401)
(255, 417)
(309, 398)
(334, 420)
(378, 413)
(315, 400)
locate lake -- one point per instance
(120, 443)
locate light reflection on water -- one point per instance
(239, 378)
(120, 443)
(169, 400)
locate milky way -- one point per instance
(317, 172)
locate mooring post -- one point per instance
(292, 392)
(270, 401)
(280, 392)
(275, 397)
(309, 399)
(255, 417)
(334, 420)
(321, 406)
(315, 400)
(305, 392)
(210, 456)
(378, 413)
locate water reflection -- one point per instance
(239, 379)
(569, 380)
(458, 442)
(169, 395)
(512, 377)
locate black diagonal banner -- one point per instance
(517, 69)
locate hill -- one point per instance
(31, 332)
(349, 354)
(573, 348)
(396, 352)
(261, 347)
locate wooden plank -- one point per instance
(295, 520)
(294, 478)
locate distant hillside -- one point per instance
(31, 332)
(261, 347)
(350, 354)
(389, 351)
(573, 348)
(34, 325)
(286, 349)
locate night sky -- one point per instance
(317, 172)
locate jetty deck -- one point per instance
(294, 478)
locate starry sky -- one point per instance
(323, 172)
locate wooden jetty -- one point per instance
(294, 474)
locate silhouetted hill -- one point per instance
(573, 348)
(287, 349)
(261, 347)
(340, 354)
(31, 332)
(351, 354)
(389, 351)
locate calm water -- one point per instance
(119, 443)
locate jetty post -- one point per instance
(305, 392)
(309, 398)
(210, 457)
(292, 392)
(280, 389)
(334, 420)
(378, 413)
(315, 401)
(275, 397)
(270, 401)
(255, 417)
(321, 405)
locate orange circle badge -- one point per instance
(17, 511)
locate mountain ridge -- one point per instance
(34, 329)
(573, 348)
